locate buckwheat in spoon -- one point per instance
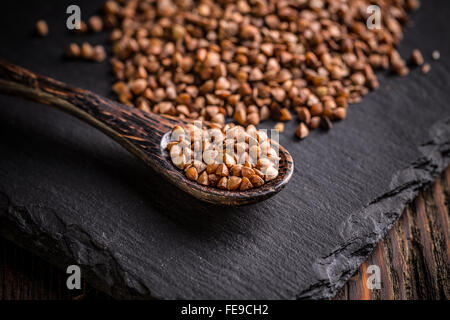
(229, 166)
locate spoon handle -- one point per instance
(139, 132)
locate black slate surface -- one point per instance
(72, 195)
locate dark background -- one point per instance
(72, 195)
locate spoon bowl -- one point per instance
(233, 198)
(142, 133)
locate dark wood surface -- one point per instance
(413, 258)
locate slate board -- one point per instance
(71, 195)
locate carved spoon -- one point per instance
(143, 134)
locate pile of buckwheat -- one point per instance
(252, 59)
(231, 158)
(249, 60)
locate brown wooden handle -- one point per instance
(136, 130)
(139, 132)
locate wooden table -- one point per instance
(414, 260)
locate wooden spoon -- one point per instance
(143, 134)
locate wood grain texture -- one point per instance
(414, 259)
(23, 276)
(143, 134)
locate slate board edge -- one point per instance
(64, 244)
(17, 225)
(380, 215)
